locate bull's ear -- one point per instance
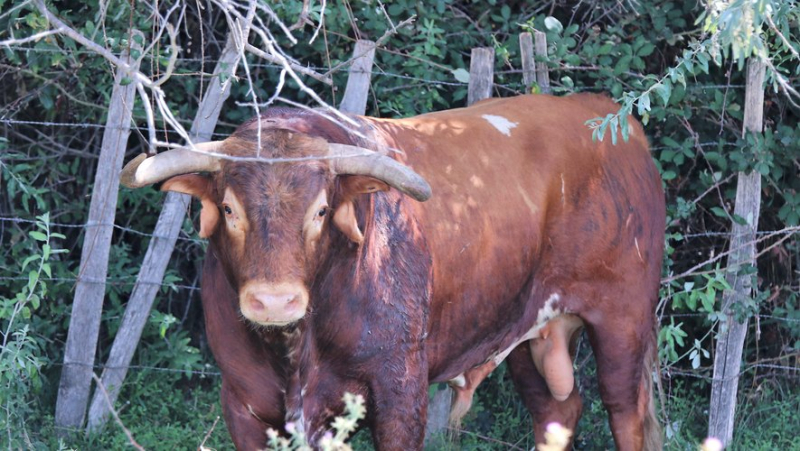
(345, 220)
(353, 185)
(345, 216)
(202, 188)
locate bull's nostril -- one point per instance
(256, 305)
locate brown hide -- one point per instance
(529, 220)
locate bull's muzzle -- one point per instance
(273, 304)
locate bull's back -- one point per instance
(519, 190)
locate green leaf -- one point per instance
(614, 126)
(708, 300)
(625, 127)
(669, 142)
(664, 91)
(646, 50)
(38, 236)
(33, 277)
(718, 211)
(505, 11)
(461, 75)
(553, 24)
(30, 259)
(643, 105)
(623, 65)
(125, 81)
(35, 301)
(695, 358)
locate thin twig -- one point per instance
(114, 412)
(202, 446)
(31, 38)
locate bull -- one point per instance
(325, 273)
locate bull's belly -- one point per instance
(549, 341)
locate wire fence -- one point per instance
(669, 371)
(445, 79)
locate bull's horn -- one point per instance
(360, 161)
(143, 171)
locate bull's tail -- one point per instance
(652, 427)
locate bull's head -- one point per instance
(268, 221)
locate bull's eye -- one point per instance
(227, 209)
(322, 211)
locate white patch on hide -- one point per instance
(546, 313)
(459, 381)
(502, 124)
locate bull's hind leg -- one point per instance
(624, 347)
(531, 385)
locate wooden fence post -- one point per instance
(728, 358)
(158, 254)
(90, 289)
(542, 74)
(528, 65)
(481, 74)
(358, 79)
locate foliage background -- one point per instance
(53, 102)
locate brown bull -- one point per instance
(347, 284)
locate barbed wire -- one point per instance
(789, 231)
(697, 374)
(263, 65)
(99, 366)
(113, 281)
(99, 224)
(93, 125)
(665, 372)
(225, 135)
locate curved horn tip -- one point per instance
(128, 175)
(421, 192)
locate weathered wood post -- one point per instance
(481, 78)
(481, 74)
(528, 61)
(158, 253)
(728, 358)
(90, 289)
(542, 73)
(358, 79)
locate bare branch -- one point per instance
(128, 434)
(321, 22)
(32, 38)
(302, 19)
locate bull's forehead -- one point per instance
(269, 189)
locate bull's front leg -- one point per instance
(398, 404)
